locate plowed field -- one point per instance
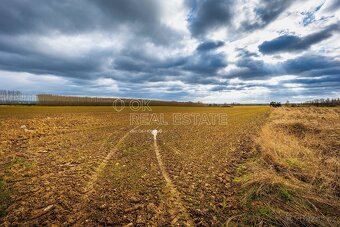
(90, 166)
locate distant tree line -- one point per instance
(16, 97)
(60, 100)
(219, 105)
(317, 102)
(323, 102)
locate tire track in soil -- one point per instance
(76, 215)
(174, 149)
(173, 203)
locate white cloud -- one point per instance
(250, 95)
(28, 82)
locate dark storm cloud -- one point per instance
(139, 60)
(266, 12)
(22, 23)
(309, 85)
(206, 60)
(73, 16)
(200, 80)
(316, 86)
(244, 53)
(209, 65)
(335, 5)
(209, 45)
(142, 16)
(145, 57)
(291, 43)
(22, 17)
(24, 56)
(207, 15)
(250, 68)
(205, 63)
(41, 64)
(309, 66)
(311, 63)
(330, 80)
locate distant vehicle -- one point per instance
(275, 104)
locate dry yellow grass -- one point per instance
(293, 177)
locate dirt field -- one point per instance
(90, 166)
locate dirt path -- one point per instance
(77, 214)
(178, 212)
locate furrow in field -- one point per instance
(77, 210)
(48, 175)
(176, 208)
(102, 165)
(129, 190)
(210, 156)
(66, 175)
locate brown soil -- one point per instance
(84, 166)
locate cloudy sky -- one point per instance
(200, 50)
